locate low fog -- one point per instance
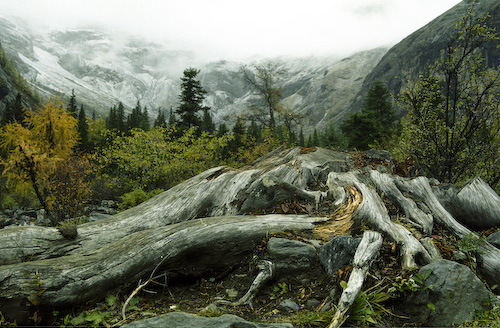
(228, 29)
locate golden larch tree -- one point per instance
(34, 150)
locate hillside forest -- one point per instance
(61, 157)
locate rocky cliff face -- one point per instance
(409, 58)
(104, 68)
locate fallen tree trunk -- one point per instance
(475, 204)
(281, 176)
(192, 248)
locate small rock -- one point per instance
(494, 239)
(96, 216)
(68, 231)
(231, 293)
(459, 256)
(316, 243)
(312, 303)
(282, 247)
(288, 306)
(108, 203)
(338, 253)
(379, 155)
(186, 320)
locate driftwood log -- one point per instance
(208, 224)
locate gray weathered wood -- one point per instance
(488, 255)
(191, 248)
(475, 204)
(373, 212)
(282, 176)
(367, 249)
(416, 216)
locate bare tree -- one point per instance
(264, 79)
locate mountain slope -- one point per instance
(410, 57)
(104, 68)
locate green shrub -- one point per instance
(136, 197)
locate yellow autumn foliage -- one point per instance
(35, 148)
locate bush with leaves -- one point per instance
(70, 188)
(36, 149)
(155, 159)
(453, 123)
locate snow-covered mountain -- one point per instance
(104, 68)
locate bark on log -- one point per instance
(367, 249)
(190, 248)
(373, 212)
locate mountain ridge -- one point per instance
(411, 56)
(104, 68)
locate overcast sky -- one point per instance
(240, 28)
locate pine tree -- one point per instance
(112, 119)
(172, 120)
(145, 119)
(222, 130)
(238, 133)
(315, 138)
(135, 119)
(301, 142)
(330, 138)
(160, 120)
(207, 123)
(191, 98)
(120, 118)
(255, 131)
(72, 107)
(83, 130)
(375, 124)
(309, 142)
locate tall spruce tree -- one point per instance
(191, 99)
(145, 125)
(160, 121)
(207, 123)
(112, 119)
(134, 119)
(375, 124)
(120, 118)
(83, 130)
(72, 106)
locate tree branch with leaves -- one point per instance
(34, 150)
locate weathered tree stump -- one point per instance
(208, 224)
